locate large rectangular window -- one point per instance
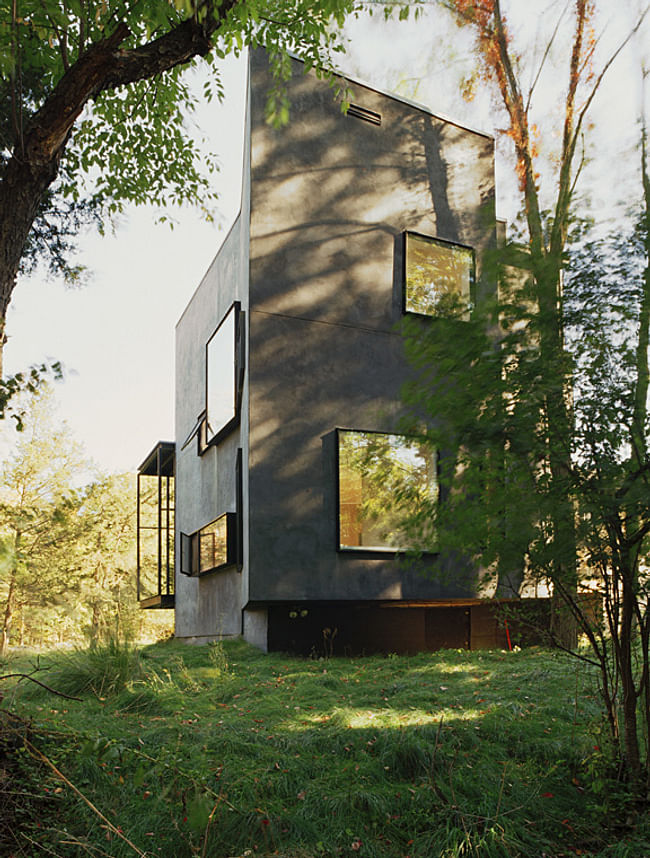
(384, 481)
(439, 277)
(210, 548)
(224, 373)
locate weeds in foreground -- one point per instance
(103, 669)
(216, 751)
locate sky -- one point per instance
(115, 335)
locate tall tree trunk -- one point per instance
(11, 596)
(627, 673)
(557, 413)
(95, 621)
(8, 615)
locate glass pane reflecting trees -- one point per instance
(212, 545)
(210, 548)
(385, 483)
(439, 277)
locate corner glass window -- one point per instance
(384, 481)
(439, 277)
(211, 547)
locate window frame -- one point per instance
(190, 548)
(444, 242)
(239, 368)
(369, 549)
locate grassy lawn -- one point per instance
(223, 751)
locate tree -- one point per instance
(67, 551)
(97, 104)
(547, 236)
(103, 559)
(499, 496)
(37, 506)
(544, 401)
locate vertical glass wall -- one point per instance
(155, 528)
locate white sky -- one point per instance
(115, 335)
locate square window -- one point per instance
(439, 277)
(384, 480)
(224, 376)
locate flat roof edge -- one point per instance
(167, 448)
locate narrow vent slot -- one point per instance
(365, 114)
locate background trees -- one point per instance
(37, 508)
(67, 550)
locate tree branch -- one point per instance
(41, 756)
(42, 684)
(547, 50)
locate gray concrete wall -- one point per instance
(210, 606)
(330, 198)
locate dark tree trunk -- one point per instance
(628, 684)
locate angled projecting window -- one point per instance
(220, 543)
(224, 376)
(439, 277)
(384, 480)
(210, 548)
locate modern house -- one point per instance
(289, 366)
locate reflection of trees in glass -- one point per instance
(384, 480)
(438, 276)
(213, 545)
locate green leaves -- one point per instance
(27, 382)
(132, 144)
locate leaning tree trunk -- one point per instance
(22, 188)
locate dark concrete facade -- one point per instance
(330, 198)
(315, 259)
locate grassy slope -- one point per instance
(445, 754)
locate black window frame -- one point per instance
(369, 550)
(239, 367)
(444, 242)
(239, 506)
(190, 549)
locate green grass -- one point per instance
(223, 751)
